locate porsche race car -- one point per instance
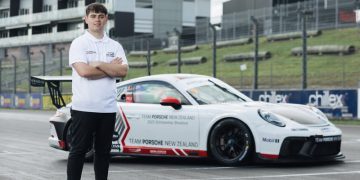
(188, 115)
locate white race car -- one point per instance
(187, 115)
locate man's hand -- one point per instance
(117, 60)
(95, 64)
(89, 71)
(115, 68)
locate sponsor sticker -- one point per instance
(156, 151)
(328, 139)
(270, 140)
(90, 52)
(110, 54)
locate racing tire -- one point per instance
(231, 142)
(89, 156)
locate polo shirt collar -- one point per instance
(94, 39)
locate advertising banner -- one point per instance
(20, 100)
(334, 103)
(35, 101)
(6, 100)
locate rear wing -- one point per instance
(53, 83)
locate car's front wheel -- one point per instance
(231, 142)
(89, 154)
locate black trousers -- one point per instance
(88, 128)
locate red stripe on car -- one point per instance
(127, 128)
(269, 156)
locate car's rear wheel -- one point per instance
(90, 152)
(231, 142)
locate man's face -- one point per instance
(96, 21)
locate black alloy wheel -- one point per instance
(231, 142)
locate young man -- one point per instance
(96, 61)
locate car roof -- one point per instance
(163, 77)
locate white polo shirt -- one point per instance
(94, 95)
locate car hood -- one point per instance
(301, 114)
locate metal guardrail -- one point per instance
(325, 49)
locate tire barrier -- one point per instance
(293, 35)
(183, 49)
(246, 56)
(141, 64)
(141, 53)
(188, 61)
(237, 42)
(325, 49)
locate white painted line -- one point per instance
(353, 161)
(131, 171)
(15, 153)
(215, 168)
(175, 169)
(283, 175)
(23, 174)
(351, 141)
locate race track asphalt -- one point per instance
(25, 155)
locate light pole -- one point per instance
(61, 60)
(178, 50)
(256, 53)
(1, 59)
(148, 57)
(44, 65)
(14, 73)
(213, 28)
(29, 66)
(304, 14)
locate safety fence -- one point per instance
(335, 103)
(280, 19)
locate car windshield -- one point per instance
(212, 93)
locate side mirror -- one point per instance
(171, 101)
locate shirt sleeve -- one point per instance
(121, 54)
(76, 53)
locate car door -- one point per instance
(157, 129)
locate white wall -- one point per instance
(143, 20)
(52, 3)
(167, 16)
(188, 14)
(202, 8)
(4, 4)
(26, 4)
(124, 5)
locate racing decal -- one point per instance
(269, 156)
(123, 127)
(118, 130)
(270, 140)
(164, 151)
(176, 152)
(182, 152)
(155, 142)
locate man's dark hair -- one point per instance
(96, 7)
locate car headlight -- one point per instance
(271, 118)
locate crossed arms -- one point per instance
(97, 70)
